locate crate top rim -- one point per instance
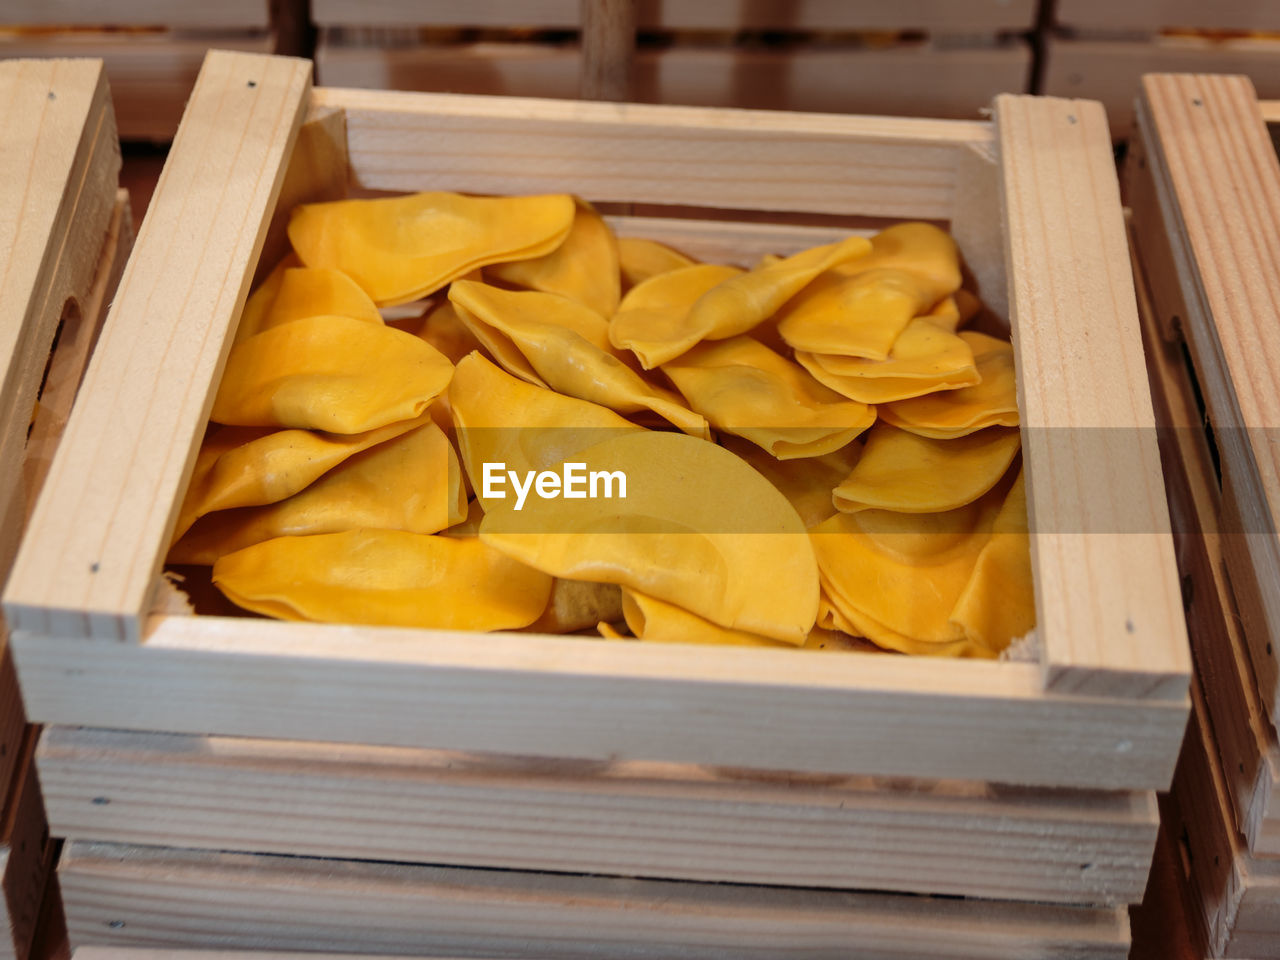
(642, 115)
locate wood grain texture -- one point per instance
(94, 551)
(139, 896)
(76, 338)
(1107, 601)
(749, 160)
(1248, 754)
(1111, 71)
(529, 694)
(1217, 173)
(1155, 15)
(151, 74)
(59, 163)
(912, 79)
(1235, 896)
(622, 819)
(26, 855)
(953, 16)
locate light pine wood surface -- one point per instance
(1107, 601)
(139, 896)
(628, 819)
(1216, 171)
(206, 222)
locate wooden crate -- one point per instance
(66, 233)
(1205, 247)
(143, 896)
(1113, 670)
(927, 58)
(1201, 244)
(152, 48)
(618, 727)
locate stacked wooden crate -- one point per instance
(935, 58)
(1204, 184)
(152, 48)
(257, 784)
(64, 235)
(1100, 49)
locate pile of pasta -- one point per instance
(814, 449)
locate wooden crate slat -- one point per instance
(1154, 15)
(122, 895)
(151, 75)
(966, 16)
(905, 79)
(625, 819)
(1108, 610)
(59, 161)
(226, 14)
(206, 223)
(751, 160)
(1238, 895)
(1111, 70)
(529, 694)
(26, 855)
(1226, 231)
(1248, 753)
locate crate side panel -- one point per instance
(747, 160)
(528, 695)
(624, 819)
(1248, 755)
(159, 897)
(59, 165)
(94, 551)
(1209, 142)
(1108, 606)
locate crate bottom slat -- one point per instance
(628, 819)
(148, 896)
